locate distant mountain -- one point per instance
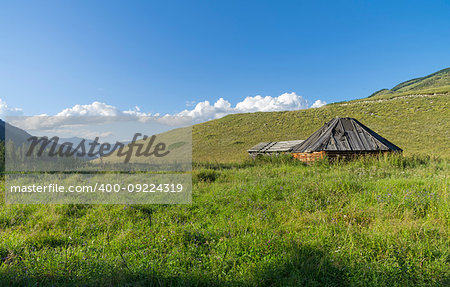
(87, 143)
(75, 141)
(18, 136)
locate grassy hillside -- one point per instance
(438, 82)
(363, 223)
(413, 116)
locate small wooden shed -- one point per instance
(342, 138)
(273, 148)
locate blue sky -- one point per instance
(161, 55)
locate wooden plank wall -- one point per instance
(309, 156)
(335, 155)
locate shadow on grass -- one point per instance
(306, 266)
(303, 267)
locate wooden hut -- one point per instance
(342, 138)
(273, 148)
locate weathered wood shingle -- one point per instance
(274, 147)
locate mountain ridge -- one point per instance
(436, 82)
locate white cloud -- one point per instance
(5, 110)
(96, 112)
(318, 104)
(204, 111)
(284, 102)
(100, 109)
(94, 109)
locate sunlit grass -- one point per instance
(371, 222)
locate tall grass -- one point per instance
(370, 222)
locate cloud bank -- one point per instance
(202, 111)
(101, 109)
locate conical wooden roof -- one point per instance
(345, 134)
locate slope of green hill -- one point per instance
(438, 82)
(414, 115)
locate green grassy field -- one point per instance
(373, 222)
